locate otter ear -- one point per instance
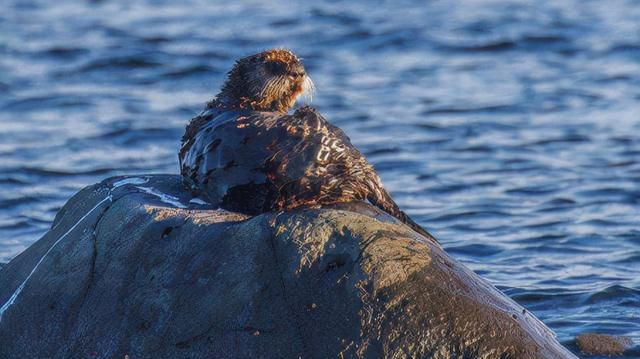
(276, 67)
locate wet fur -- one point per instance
(262, 159)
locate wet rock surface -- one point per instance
(603, 344)
(134, 266)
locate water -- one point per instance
(510, 130)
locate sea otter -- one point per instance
(246, 154)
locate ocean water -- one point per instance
(510, 129)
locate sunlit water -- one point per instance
(511, 131)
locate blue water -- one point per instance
(510, 130)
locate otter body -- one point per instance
(253, 158)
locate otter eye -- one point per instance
(296, 74)
(276, 67)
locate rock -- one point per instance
(602, 344)
(134, 266)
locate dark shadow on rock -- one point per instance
(135, 266)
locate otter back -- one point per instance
(255, 162)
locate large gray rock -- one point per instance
(126, 271)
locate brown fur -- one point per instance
(268, 81)
(263, 159)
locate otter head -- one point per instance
(269, 81)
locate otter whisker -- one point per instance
(308, 89)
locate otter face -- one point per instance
(269, 81)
